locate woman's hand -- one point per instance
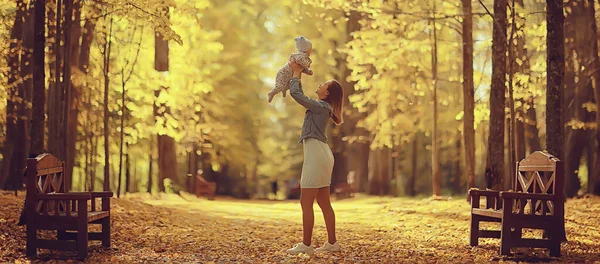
(296, 68)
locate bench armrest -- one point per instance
(477, 192)
(102, 194)
(64, 196)
(522, 195)
(492, 198)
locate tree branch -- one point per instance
(486, 9)
(141, 9)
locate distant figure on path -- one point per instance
(315, 181)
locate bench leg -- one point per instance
(474, 230)
(82, 241)
(106, 232)
(554, 244)
(555, 250)
(505, 238)
(31, 241)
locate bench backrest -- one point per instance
(540, 173)
(45, 175)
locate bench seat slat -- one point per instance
(487, 212)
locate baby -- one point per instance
(284, 75)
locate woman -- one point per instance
(318, 158)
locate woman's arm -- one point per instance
(302, 99)
(298, 95)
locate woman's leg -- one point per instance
(307, 198)
(328, 214)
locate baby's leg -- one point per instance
(272, 94)
(278, 88)
(281, 82)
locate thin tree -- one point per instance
(67, 91)
(555, 62)
(106, 52)
(468, 94)
(495, 160)
(39, 89)
(8, 177)
(435, 155)
(56, 100)
(512, 154)
(555, 43)
(125, 77)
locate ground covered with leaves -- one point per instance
(185, 229)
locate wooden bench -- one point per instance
(49, 207)
(204, 187)
(536, 203)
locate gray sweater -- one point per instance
(316, 116)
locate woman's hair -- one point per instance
(336, 100)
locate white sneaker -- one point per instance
(300, 248)
(329, 247)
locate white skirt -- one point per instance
(318, 164)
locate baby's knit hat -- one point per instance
(303, 44)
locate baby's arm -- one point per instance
(307, 71)
(303, 60)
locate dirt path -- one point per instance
(370, 229)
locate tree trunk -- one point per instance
(555, 77)
(435, 153)
(150, 159)
(532, 135)
(410, 185)
(127, 173)
(23, 92)
(520, 132)
(50, 40)
(384, 170)
(495, 161)
(39, 87)
(106, 53)
(468, 94)
(358, 162)
(87, 37)
(67, 139)
(195, 167)
(26, 72)
(88, 157)
(374, 176)
(519, 53)
(455, 178)
(74, 91)
(594, 185)
(511, 101)
(167, 157)
(121, 135)
(9, 177)
(93, 161)
(56, 99)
